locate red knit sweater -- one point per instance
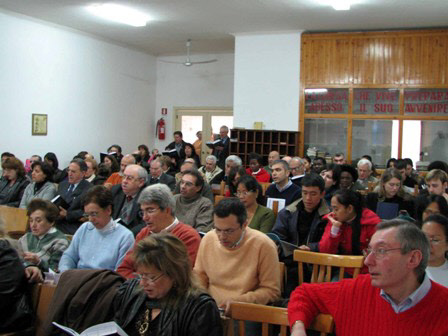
(189, 236)
(261, 176)
(358, 309)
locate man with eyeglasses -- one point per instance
(125, 196)
(116, 178)
(297, 167)
(282, 187)
(395, 298)
(191, 207)
(235, 262)
(157, 210)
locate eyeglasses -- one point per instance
(225, 232)
(90, 214)
(129, 178)
(148, 211)
(148, 279)
(378, 253)
(430, 212)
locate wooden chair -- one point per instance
(323, 262)
(264, 186)
(282, 276)
(268, 315)
(218, 198)
(45, 296)
(15, 219)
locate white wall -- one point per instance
(95, 93)
(203, 85)
(267, 80)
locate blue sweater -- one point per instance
(97, 249)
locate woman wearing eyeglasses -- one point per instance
(436, 229)
(249, 192)
(350, 226)
(165, 299)
(99, 243)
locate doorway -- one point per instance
(207, 120)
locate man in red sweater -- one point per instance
(396, 298)
(157, 206)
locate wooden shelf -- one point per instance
(245, 141)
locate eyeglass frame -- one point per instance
(226, 232)
(144, 277)
(141, 213)
(378, 253)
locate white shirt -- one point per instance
(439, 274)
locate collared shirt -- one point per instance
(109, 226)
(297, 176)
(412, 299)
(178, 147)
(287, 185)
(171, 227)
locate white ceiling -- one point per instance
(211, 24)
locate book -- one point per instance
(172, 153)
(386, 210)
(59, 201)
(286, 248)
(103, 155)
(102, 329)
(213, 144)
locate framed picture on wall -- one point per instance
(39, 124)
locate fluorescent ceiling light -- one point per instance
(341, 4)
(120, 14)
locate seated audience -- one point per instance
(158, 176)
(331, 173)
(231, 161)
(256, 168)
(235, 262)
(437, 182)
(92, 174)
(282, 187)
(391, 163)
(197, 144)
(348, 178)
(435, 228)
(41, 185)
(396, 298)
(166, 298)
(6, 155)
(307, 164)
(442, 165)
(390, 190)
(297, 168)
(430, 205)
(72, 191)
(125, 197)
(116, 151)
(235, 173)
(206, 190)
(44, 245)
(144, 153)
(301, 223)
(167, 165)
(339, 158)
(58, 175)
(13, 182)
(112, 163)
(212, 173)
(273, 156)
(157, 207)
(16, 312)
(408, 182)
(318, 164)
(192, 208)
(191, 154)
(365, 173)
(350, 226)
(250, 194)
(116, 177)
(100, 243)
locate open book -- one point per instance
(213, 144)
(103, 329)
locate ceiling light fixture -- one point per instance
(120, 14)
(341, 4)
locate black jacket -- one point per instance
(136, 222)
(15, 195)
(196, 315)
(15, 308)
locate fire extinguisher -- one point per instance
(160, 129)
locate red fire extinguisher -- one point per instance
(160, 129)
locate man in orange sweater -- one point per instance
(396, 298)
(236, 263)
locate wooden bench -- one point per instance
(15, 221)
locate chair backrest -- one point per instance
(282, 276)
(45, 297)
(218, 199)
(15, 219)
(323, 262)
(268, 315)
(264, 186)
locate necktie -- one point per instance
(126, 209)
(70, 191)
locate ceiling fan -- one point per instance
(188, 61)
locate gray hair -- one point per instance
(142, 173)
(363, 162)
(411, 238)
(299, 160)
(284, 164)
(159, 194)
(235, 159)
(212, 158)
(129, 156)
(224, 127)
